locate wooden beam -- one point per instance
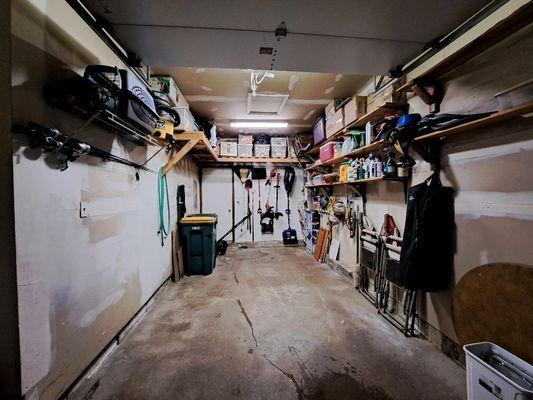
(179, 155)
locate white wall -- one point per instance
(242, 235)
(79, 280)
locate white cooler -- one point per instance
(494, 373)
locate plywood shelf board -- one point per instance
(357, 152)
(255, 160)
(492, 36)
(190, 142)
(359, 181)
(500, 116)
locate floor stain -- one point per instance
(236, 279)
(243, 312)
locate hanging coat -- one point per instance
(426, 259)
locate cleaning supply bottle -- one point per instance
(390, 166)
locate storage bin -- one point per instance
(262, 150)
(279, 151)
(319, 131)
(198, 238)
(228, 148)
(246, 139)
(326, 152)
(187, 122)
(494, 373)
(278, 141)
(245, 150)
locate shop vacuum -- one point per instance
(289, 234)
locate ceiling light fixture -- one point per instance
(251, 124)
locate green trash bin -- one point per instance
(198, 240)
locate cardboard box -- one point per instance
(319, 131)
(246, 139)
(331, 108)
(279, 151)
(166, 84)
(228, 148)
(389, 95)
(354, 109)
(262, 150)
(335, 123)
(245, 150)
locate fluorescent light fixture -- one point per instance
(252, 124)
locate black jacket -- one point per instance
(426, 259)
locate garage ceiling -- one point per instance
(337, 36)
(222, 94)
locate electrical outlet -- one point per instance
(84, 209)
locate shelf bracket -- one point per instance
(357, 189)
(176, 158)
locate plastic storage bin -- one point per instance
(262, 150)
(494, 373)
(319, 131)
(245, 150)
(326, 152)
(279, 151)
(198, 238)
(228, 148)
(278, 141)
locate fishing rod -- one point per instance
(53, 141)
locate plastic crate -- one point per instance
(494, 373)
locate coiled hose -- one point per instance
(162, 195)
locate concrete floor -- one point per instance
(270, 323)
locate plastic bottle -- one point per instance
(390, 166)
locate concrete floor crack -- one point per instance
(289, 376)
(243, 312)
(236, 279)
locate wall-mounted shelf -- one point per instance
(194, 143)
(503, 29)
(365, 150)
(500, 116)
(375, 115)
(357, 182)
(112, 123)
(256, 160)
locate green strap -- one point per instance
(162, 194)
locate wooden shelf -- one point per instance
(501, 30)
(256, 160)
(375, 115)
(359, 181)
(500, 116)
(194, 143)
(357, 152)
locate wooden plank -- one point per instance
(359, 181)
(357, 152)
(499, 116)
(257, 160)
(179, 155)
(501, 30)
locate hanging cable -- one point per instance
(162, 195)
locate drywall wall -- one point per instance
(489, 169)
(9, 345)
(259, 191)
(79, 280)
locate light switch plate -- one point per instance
(84, 209)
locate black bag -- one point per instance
(426, 259)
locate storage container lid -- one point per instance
(198, 220)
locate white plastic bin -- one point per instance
(494, 373)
